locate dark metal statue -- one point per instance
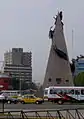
(60, 53)
(60, 15)
(51, 32)
(55, 19)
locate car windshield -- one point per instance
(45, 92)
(32, 96)
(29, 96)
(0, 93)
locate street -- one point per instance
(42, 110)
(46, 105)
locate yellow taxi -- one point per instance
(31, 99)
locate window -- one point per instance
(58, 80)
(82, 91)
(77, 92)
(67, 81)
(49, 79)
(71, 91)
(46, 92)
(59, 91)
(51, 91)
(25, 96)
(55, 91)
(31, 97)
(5, 81)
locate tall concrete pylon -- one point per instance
(58, 72)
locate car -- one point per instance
(2, 97)
(10, 100)
(7, 99)
(31, 99)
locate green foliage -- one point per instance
(15, 83)
(79, 79)
(24, 85)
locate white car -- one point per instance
(2, 97)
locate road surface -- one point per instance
(46, 105)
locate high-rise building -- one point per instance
(18, 64)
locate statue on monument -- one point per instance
(51, 32)
(60, 15)
(59, 52)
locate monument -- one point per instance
(58, 72)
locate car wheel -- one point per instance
(37, 102)
(15, 102)
(60, 102)
(9, 102)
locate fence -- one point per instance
(44, 114)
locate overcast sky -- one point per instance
(26, 23)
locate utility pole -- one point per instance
(19, 77)
(72, 44)
(20, 81)
(20, 85)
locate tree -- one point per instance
(15, 83)
(79, 79)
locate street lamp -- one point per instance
(20, 85)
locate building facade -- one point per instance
(79, 65)
(18, 64)
(4, 82)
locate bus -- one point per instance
(15, 93)
(46, 92)
(63, 94)
(10, 93)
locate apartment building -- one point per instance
(18, 64)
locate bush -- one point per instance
(79, 79)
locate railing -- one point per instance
(44, 114)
